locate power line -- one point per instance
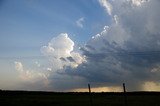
(22, 57)
(140, 53)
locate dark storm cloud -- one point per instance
(128, 51)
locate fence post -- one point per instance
(124, 88)
(89, 88)
(125, 95)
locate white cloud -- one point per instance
(80, 22)
(60, 46)
(116, 19)
(24, 74)
(49, 69)
(30, 76)
(106, 5)
(18, 66)
(38, 64)
(139, 2)
(60, 53)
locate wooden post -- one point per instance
(125, 95)
(124, 88)
(89, 88)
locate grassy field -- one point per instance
(25, 98)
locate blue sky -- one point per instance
(119, 42)
(26, 25)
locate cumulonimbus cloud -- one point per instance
(128, 50)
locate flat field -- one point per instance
(30, 98)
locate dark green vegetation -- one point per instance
(25, 98)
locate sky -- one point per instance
(62, 45)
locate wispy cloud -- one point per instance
(106, 5)
(80, 22)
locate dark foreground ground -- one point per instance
(26, 98)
